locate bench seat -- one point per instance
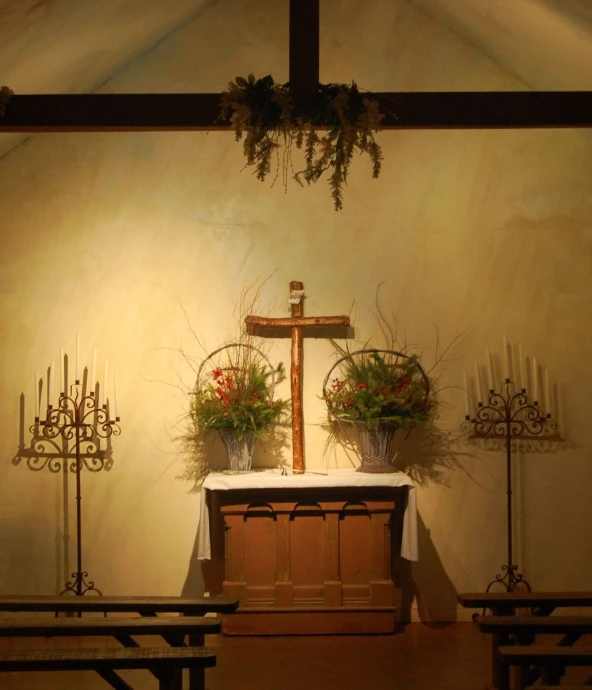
(558, 625)
(145, 606)
(62, 627)
(164, 662)
(506, 602)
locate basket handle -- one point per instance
(248, 347)
(349, 355)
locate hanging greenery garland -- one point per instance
(5, 95)
(329, 125)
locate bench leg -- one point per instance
(503, 676)
(496, 669)
(197, 676)
(171, 680)
(551, 675)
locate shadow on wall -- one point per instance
(429, 454)
(424, 581)
(27, 557)
(207, 576)
(426, 453)
(204, 454)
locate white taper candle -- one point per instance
(49, 376)
(467, 396)
(76, 369)
(491, 376)
(510, 356)
(547, 391)
(93, 371)
(478, 386)
(105, 379)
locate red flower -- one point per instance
(362, 385)
(217, 373)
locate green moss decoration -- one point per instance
(330, 125)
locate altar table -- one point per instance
(309, 553)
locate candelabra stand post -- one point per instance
(69, 438)
(510, 417)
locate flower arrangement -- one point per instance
(381, 389)
(268, 114)
(238, 394)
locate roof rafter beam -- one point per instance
(170, 112)
(200, 111)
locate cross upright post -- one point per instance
(304, 46)
(296, 322)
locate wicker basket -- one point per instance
(375, 445)
(376, 448)
(239, 446)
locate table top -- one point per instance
(128, 604)
(273, 478)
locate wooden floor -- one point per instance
(431, 658)
(450, 657)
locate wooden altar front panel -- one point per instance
(310, 561)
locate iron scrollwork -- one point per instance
(509, 421)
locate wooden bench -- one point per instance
(553, 660)
(505, 604)
(540, 603)
(173, 630)
(523, 630)
(148, 607)
(144, 606)
(164, 662)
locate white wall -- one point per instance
(482, 232)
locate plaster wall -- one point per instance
(141, 241)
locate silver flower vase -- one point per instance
(239, 448)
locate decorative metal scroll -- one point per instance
(509, 421)
(76, 434)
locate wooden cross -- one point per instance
(296, 322)
(201, 111)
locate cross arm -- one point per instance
(201, 111)
(254, 322)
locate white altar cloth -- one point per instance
(273, 479)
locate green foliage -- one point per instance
(269, 114)
(380, 389)
(238, 398)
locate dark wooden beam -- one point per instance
(163, 112)
(304, 45)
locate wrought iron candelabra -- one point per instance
(69, 439)
(508, 416)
